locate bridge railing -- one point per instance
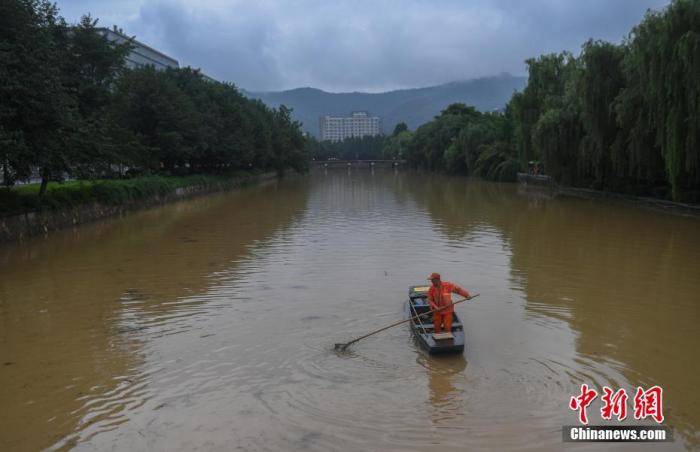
(358, 163)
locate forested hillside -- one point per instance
(411, 106)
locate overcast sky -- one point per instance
(361, 45)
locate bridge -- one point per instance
(357, 163)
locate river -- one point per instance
(209, 323)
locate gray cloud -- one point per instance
(362, 45)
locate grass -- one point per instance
(61, 195)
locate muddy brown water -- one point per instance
(209, 324)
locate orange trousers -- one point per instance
(440, 318)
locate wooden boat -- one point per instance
(423, 330)
(531, 179)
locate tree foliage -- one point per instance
(454, 140)
(38, 111)
(662, 66)
(357, 148)
(398, 144)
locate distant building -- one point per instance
(358, 124)
(141, 54)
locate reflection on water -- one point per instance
(209, 323)
(446, 376)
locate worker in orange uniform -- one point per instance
(440, 297)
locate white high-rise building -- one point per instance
(358, 124)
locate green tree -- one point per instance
(39, 115)
(91, 67)
(288, 142)
(545, 87)
(497, 161)
(400, 127)
(662, 68)
(599, 82)
(434, 145)
(397, 145)
(149, 104)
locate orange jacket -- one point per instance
(442, 295)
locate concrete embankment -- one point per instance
(552, 189)
(43, 221)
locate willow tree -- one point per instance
(497, 161)
(635, 153)
(432, 148)
(547, 77)
(598, 83)
(557, 135)
(664, 59)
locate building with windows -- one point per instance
(358, 124)
(141, 54)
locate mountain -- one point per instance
(412, 106)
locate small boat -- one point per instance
(422, 328)
(534, 175)
(532, 179)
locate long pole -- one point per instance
(343, 346)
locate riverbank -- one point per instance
(660, 204)
(23, 213)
